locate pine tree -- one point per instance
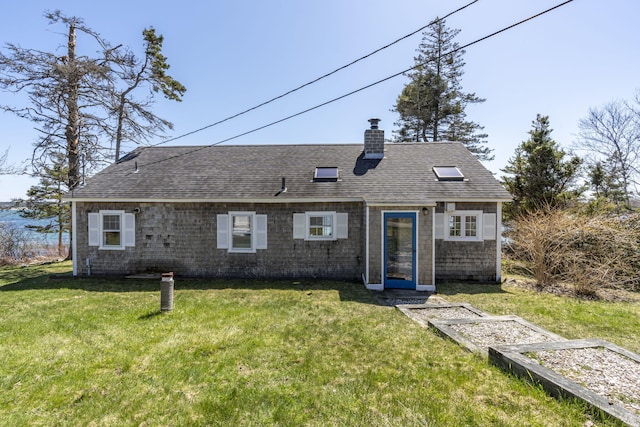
(133, 119)
(45, 201)
(538, 175)
(84, 102)
(432, 105)
(608, 188)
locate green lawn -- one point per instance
(97, 352)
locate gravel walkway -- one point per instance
(444, 313)
(485, 334)
(600, 370)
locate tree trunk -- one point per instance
(436, 108)
(119, 125)
(72, 131)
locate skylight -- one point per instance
(448, 173)
(326, 173)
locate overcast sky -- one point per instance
(233, 55)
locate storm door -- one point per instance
(400, 250)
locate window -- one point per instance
(463, 225)
(471, 226)
(455, 226)
(448, 173)
(326, 174)
(241, 232)
(113, 230)
(321, 225)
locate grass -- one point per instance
(99, 352)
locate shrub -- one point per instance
(587, 252)
(15, 245)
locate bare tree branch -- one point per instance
(611, 134)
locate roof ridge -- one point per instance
(317, 144)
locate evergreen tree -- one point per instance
(82, 105)
(45, 201)
(432, 105)
(538, 175)
(85, 102)
(133, 119)
(606, 185)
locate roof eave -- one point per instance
(208, 200)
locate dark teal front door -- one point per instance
(400, 250)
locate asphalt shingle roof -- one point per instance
(255, 172)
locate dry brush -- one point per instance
(585, 252)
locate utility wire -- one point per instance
(317, 79)
(362, 88)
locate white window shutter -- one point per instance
(438, 226)
(489, 226)
(129, 229)
(342, 225)
(222, 237)
(299, 226)
(261, 232)
(94, 229)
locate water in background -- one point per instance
(11, 217)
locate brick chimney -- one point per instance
(374, 141)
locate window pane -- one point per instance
(470, 226)
(321, 226)
(112, 238)
(111, 222)
(455, 225)
(448, 173)
(316, 221)
(111, 230)
(241, 232)
(399, 251)
(326, 173)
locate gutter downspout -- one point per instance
(366, 249)
(499, 242)
(74, 240)
(433, 247)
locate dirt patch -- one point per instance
(567, 290)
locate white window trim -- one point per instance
(252, 215)
(104, 246)
(463, 215)
(334, 224)
(340, 226)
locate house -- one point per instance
(393, 215)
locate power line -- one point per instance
(362, 88)
(317, 79)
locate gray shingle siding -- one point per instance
(466, 260)
(181, 237)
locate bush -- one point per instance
(588, 252)
(15, 246)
